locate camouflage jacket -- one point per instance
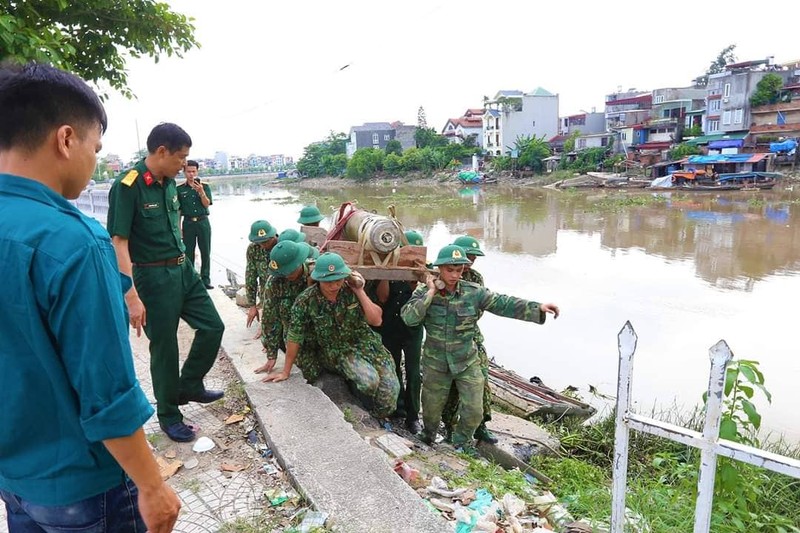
(256, 274)
(474, 276)
(450, 320)
(279, 297)
(338, 328)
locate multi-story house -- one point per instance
(405, 134)
(585, 123)
(673, 110)
(514, 114)
(772, 122)
(628, 108)
(469, 124)
(370, 135)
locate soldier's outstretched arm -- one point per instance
(512, 307)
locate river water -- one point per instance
(686, 269)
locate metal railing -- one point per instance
(708, 442)
(93, 202)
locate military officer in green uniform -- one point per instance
(289, 276)
(403, 342)
(143, 224)
(450, 354)
(337, 315)
(263, 238)
(194, 198)
(473, 249)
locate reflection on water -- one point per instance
(686, 269)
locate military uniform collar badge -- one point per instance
(148, 178)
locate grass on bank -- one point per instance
(662, 481)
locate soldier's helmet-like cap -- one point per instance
(286, 257)
(470, 244)
(309, 214)
(330, 267)
(261, 231)
(414, 238)
(313, 253)
(452, 254)
(292, 235)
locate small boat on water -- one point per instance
(523, 398)
(750, 180)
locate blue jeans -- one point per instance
(116, 510)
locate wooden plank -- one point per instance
(389, 273)
(410, 256)
(315, 236)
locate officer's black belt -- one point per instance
(165, 263)
(195, 219)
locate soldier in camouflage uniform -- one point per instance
(263, 238)
(337, 314)
(289, 276)
(473, 249)
(450, 354)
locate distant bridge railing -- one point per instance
(708, 442)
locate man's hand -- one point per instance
(197, 186)
(159, 509)
(550, 308)
(136, 312)
(266, 367)
(429, 282)
(252, 314)
(276, 377)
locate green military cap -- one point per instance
(286, 257)
(313, 253)
(292, 235)
(309, 214)
(414, 238)
(452, 254)
(470, 244)
(261, 231)
(330, 267)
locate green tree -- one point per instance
(324, 158)
(365, 162)
(718, 65)
(569, 143)
(683, 150)
(93, 37)
(425, 137)
(394, 147)
(767, 90)
(531, 151)
(393, 163)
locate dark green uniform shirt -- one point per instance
(189, 200)
(145, 212)
(450, 320)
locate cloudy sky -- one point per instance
(270, 75)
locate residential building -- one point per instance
(222, 161)
(669, 117)
(370, 135)
(586, 123)
(405, 134)
(513, 114)
(469, 124)
(627, 108)
(781, 119)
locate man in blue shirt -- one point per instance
(71, 423)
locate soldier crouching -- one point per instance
(336, 314)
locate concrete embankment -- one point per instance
(329, 462)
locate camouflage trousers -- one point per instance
(373, 375)
(451, 407)
(311, 361)
(435, 388)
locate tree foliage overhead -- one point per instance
(718, 65)
(93, 38)
(767, 90)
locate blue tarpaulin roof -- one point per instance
(724, 158)
(727, 143)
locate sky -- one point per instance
(270, 77)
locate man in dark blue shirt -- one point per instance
(71, 426)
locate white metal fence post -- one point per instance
(626, 344)
(720, 355)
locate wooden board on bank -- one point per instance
(315, 235)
